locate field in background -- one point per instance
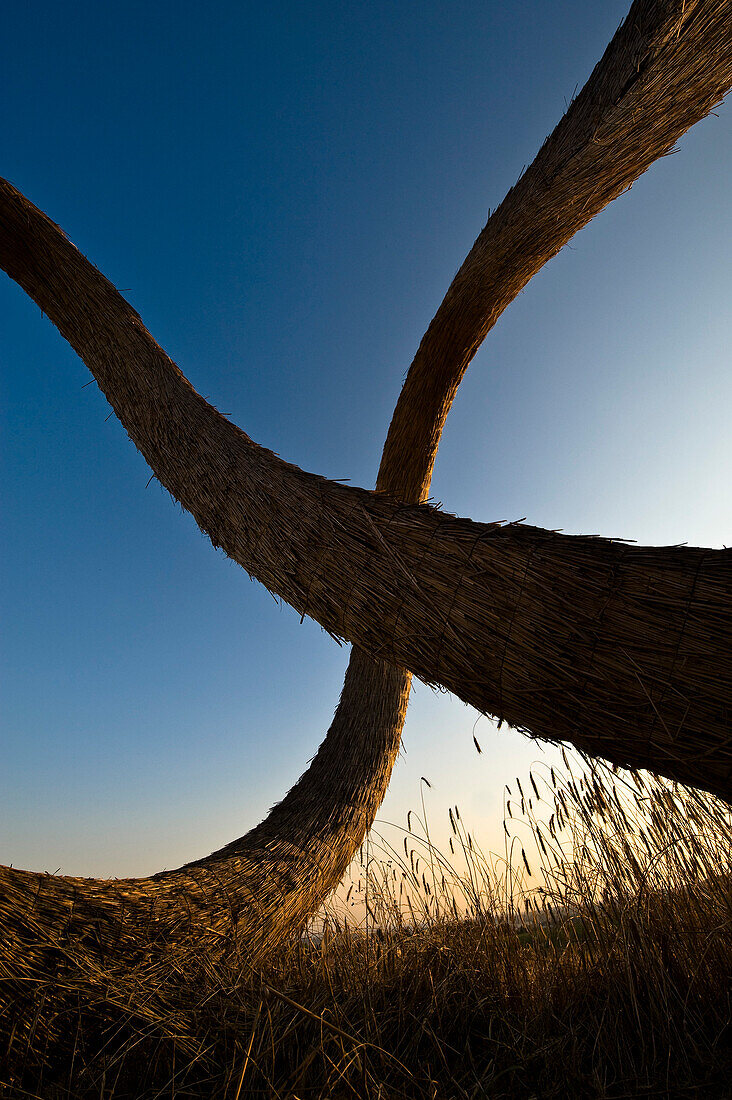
(592, 958)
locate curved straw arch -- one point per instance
(623, 650)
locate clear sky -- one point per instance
(284, 193)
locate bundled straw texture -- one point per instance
(623, 650)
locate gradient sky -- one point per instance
(284, 193)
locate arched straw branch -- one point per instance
(622, 650)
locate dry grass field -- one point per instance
(604, 972)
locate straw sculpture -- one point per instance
(622, 650)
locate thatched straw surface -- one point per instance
(623, 650)
(666, 67)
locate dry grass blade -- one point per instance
(332, 1027)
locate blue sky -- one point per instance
(285, 195)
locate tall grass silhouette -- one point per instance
(592, 957)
